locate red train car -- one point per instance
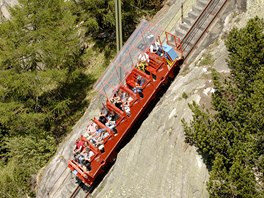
(154, 67)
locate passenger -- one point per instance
(126, 108)
(116, 100)
(91, 130)
(111, 116)
(102, 119)
(78, 147)
(138, 86)
(99, 131)
(155, 48)
(143, 61)
(97, 138)
(127, 99)
(84, 158)
(110, 124)
(143, 58)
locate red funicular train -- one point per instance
(127, 87)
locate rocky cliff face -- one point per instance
(157, 162)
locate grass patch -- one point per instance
(184, 71)
(208, 59)
(234, 14)
(184, 95)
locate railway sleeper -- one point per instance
(197, 9)
(193, 15)
(185, 26)
(180, 33)
(202, 3)
(188, 20)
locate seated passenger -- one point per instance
(100, 131)
(126, 98)
(91, 130)
(126, 108)
(102, 119)
(111, 116)
(110, 124)
(78, 147)
(84, 158)
(155, 48)
(98, 137)
(116, 100)
(138, 86)
(143, 61)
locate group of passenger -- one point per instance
(94, 134)
(143, 58)
(122, 101)
(82, 154)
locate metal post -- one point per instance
(118, 16)
(120, 25)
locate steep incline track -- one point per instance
(201, 25)
(76, 191)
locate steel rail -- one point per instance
(199, 23)
(205, 30)
(76, 191)
(87, 195)
(196, 21)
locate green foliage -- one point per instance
(43, 85)
(98, 17)
(231, 139)
(208, 59)
(42, 89)
(246, 52)
(184, 95)
(40, 35)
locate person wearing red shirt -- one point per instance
(78, 147)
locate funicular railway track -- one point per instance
(201, 25)
(190, 42)
(76, 191)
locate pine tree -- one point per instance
(232, 136)
(39, 70)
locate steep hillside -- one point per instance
(157, 162)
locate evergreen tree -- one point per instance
(40, 35)
(41, 84)
(232, 137)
